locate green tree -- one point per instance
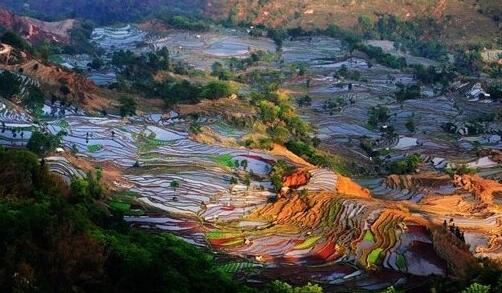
(42, 143)
(15, 41)
(10, 84)
(477, 288)
(244, 164)
(366, 26)
(279, 134)
(495, 90)
(407, 92)
(304, 101)
(377, 115)
(34, 101)
(184, 91)
(127, 106)
(410, 125)
(87, 188)
(391, 289)
(233, 181)
(278, 171)
(174, 185)
(96, 63)
(405, 166)
(269, 112)
(218, 70)
(53, 241)
(195, 127)
(282, 287)
(247, 181)
(278, 35)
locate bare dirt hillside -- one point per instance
(35, 30)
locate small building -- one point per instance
(477, 93)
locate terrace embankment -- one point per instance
(296, 179)
(484, 190)
(454, 251)
(112, 176)
(348, 187)
(403, 236)
(429, 179)
(228, 107)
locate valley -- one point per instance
(319, 161)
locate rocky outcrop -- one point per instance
(482, 189)
(34, 30)
(297, 179)
(346, 186)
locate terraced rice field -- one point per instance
(205, 209)
(340, 106)
(315, 231)
(126, 37)
(202, 49)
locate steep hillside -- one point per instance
(462, 20)
(35, 30)
(101, 11)
(58, 82)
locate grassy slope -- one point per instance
(462, 19)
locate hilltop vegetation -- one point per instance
(102, 11)
(462, 21)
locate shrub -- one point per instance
(495, 90)
(410, 124)
(461, 170)
(405, 166)
(377, 115)
(477, 288)
(35, 99)
(10, 84)
(304, 101)
(407, 92)
(279, 170)
(216, 89)
(180, 91)
(279, 134)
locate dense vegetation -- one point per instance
(412, 35)
(404, 166)
(59, 238)
(137, 72)
(103, 12)
(11, 87)
(56, 238)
